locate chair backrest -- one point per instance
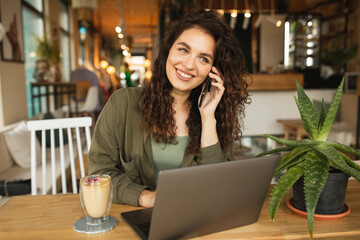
(82, 87)
(73, 127)
(91, 101)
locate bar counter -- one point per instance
(273, 82)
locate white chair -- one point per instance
(70, 124)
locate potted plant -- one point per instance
(311, 158)
(48, 55)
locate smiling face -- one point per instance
(190, 60)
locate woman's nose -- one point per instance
(189, 62)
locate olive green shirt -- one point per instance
(168, 156)
(121, 148)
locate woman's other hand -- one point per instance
(147, 198)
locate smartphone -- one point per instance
(205, 90)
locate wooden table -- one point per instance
(52, 217)
(293, 127)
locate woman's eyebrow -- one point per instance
(184, 44)
(203, 54)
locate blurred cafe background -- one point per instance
(57, 53)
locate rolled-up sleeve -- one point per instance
(104, 156)
(213, 154)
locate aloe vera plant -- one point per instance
(311, 158)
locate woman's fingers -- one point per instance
(217, 82)
(216, 75)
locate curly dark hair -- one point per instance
(229, 60)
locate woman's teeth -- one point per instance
(183, 74)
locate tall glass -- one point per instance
(96, 198)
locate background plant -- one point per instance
(47, 50)
(313, 157)
(339, 52)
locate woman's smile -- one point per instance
(184, 75)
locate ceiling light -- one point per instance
(110, 70)
(233, 19)
(118, 29)
(123, 46)
(120, 35)
(148, 75)
(278, 23)
(125, 53)
(247, 14)
(104, 64)
(147, 63)
(245, 23)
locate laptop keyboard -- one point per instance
(144, 227)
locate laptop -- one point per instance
(199, 200)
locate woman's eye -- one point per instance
(204, 59)
(183, 50)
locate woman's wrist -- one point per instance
(208, 133)
(208, 121)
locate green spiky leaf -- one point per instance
(285, 182)
(322, 114)
(330, 116)
(303, 142)
(283, 149)
(308, 113)
(350, 162)
(316, 170)
(292, 154)
(291, 162)
(336, 160)
(343, 148)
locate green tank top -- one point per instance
(168, 156)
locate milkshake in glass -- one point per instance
(95, 197)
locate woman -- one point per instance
(142, 131)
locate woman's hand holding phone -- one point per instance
(211, 94)
(207, 109)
